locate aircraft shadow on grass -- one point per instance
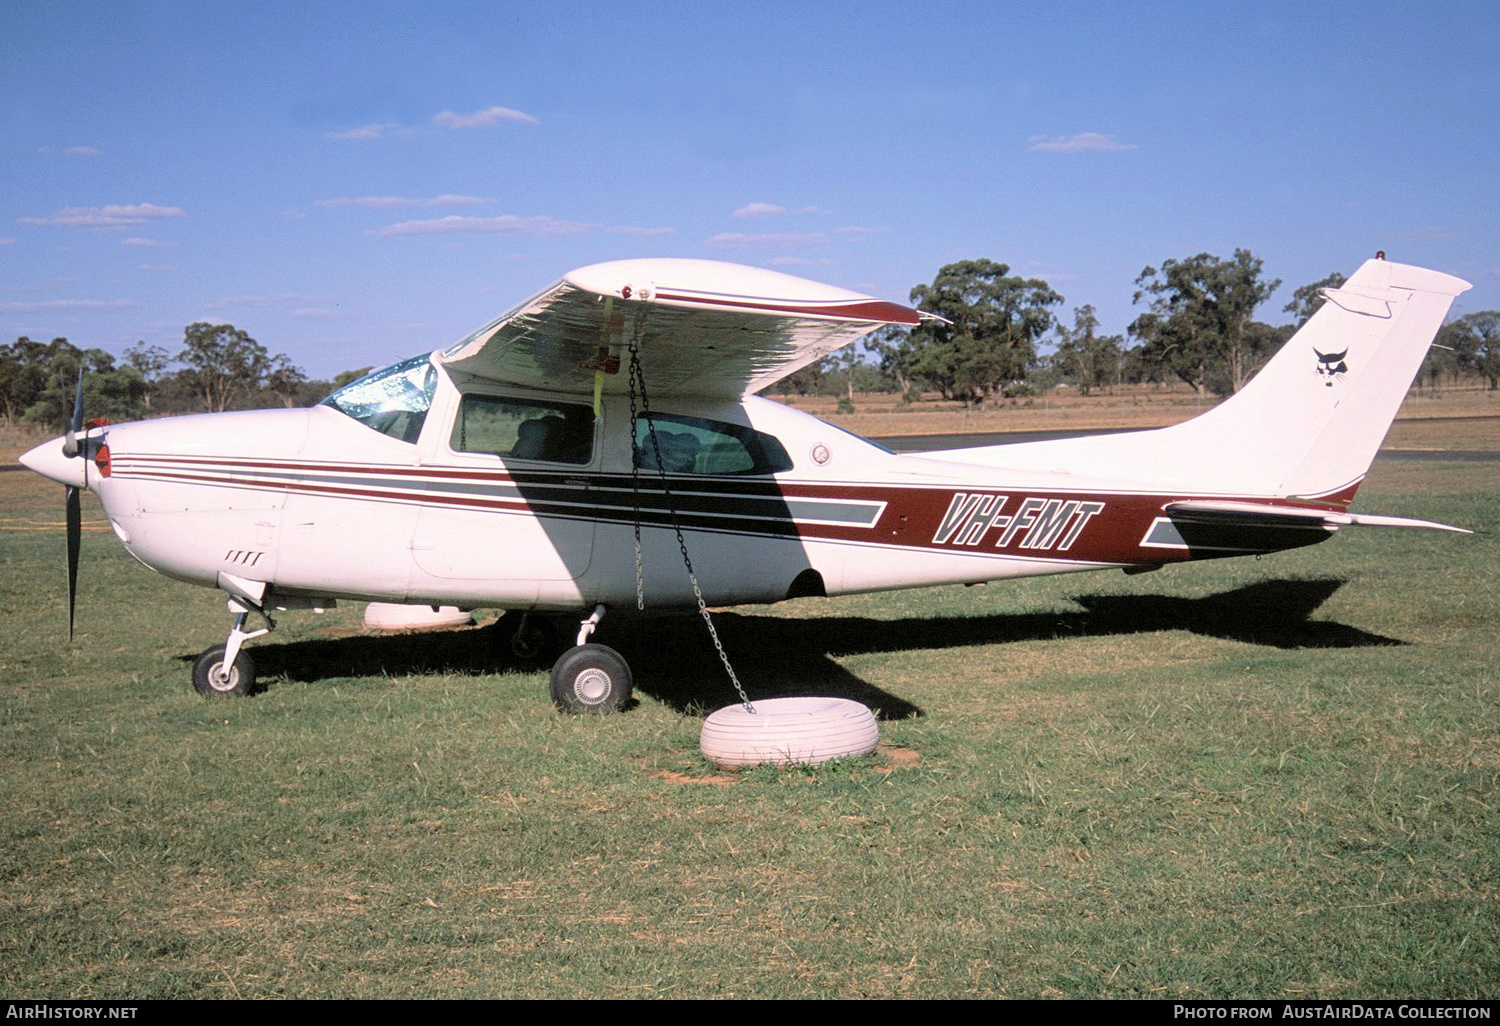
(673, 661)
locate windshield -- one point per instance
(393, 400)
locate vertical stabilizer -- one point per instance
(1308, 424)
(1340, 380)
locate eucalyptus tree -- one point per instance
(991, 323)
(1307, 299)
(1084, 357)
(1201, 324)
(1475, 342)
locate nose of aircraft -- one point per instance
(48, 460)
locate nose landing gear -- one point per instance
(227, 669)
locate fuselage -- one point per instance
(469, 502)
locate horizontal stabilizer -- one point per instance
(1251, 514)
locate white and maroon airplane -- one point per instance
(519, 469)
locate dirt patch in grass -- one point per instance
(896, 757)
(713, 779)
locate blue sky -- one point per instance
(352, 183)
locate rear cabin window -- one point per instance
(524, 429)
(393, 400)
(692, 445)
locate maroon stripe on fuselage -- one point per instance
(915, 516)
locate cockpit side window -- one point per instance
(393, 400)
(524, 429)
(693, 445)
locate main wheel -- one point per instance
(591, 679)
(209, 677)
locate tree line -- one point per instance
(219, 367)
(1199, 326)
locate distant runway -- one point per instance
(934, 443)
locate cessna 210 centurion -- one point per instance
(566, 456)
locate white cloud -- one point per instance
(509, 224)
(382, 202)
(82, 151)
(505, 224)
(626, 229)
(147, 243)
(1083, 142)
(769, 240)
(375, 131)
(110, 218)
(7, 242)
(1048, 272)
(758, 210)
(770, 209)
(795, 261)
(315, 313)
(482, 118)
(159, 267)
(65, 304)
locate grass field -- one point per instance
(1274, 778)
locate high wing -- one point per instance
(705, 328)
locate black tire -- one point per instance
(206, 672)
(537, 643)
(591, 679)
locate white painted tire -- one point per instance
(789, 731)
(391, 616)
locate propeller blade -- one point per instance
(75, 534)
(70, 443)
(77, 424)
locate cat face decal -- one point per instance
(1332, 365)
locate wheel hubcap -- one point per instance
(221, 681)
(592, 686)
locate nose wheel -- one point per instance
(227, 669)
(211, 677)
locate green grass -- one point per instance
(1275, 778)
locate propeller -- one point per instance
(72, 504)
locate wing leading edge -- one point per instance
(705, 328)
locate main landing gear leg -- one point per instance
(227, 669)
(590, 678)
